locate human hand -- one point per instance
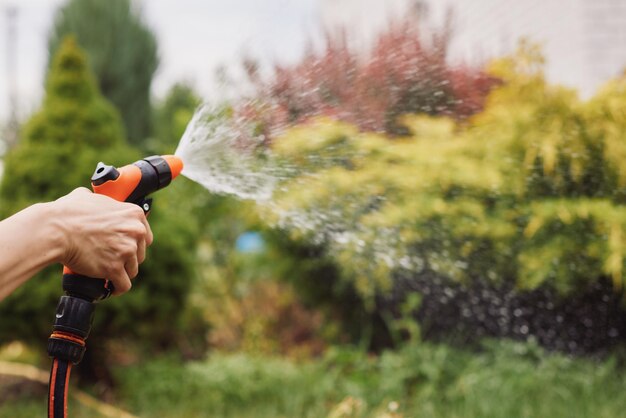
(101, 237)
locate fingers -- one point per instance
(120, 280)
(121, 277)
(132, 267)
(145, 239)
(147, 230)
(149, 236)
(141, 251)
(138, 237)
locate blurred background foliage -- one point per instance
(76, 128)
(122, 52)
(531, 180)
(404, 72)
(435, 202)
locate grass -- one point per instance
(504, 379)
(35, 408)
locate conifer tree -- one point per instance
(75, 128)
(122, 53)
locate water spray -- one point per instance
(74, 315)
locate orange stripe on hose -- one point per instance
(67, 385)
(69, 337)
(53, 378)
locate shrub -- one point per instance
(525, 195)
(401, 73)
(420, 379)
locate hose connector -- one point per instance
(72, 325)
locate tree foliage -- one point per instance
(122, 53)
(522, 202)
(75, 128)
(403, 72)
(530, 189)
(172, 116)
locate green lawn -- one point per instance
(502, 380)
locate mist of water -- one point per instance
(223, 154)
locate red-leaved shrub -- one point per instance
(399, 74)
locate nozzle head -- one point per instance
(175, 163)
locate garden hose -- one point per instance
(75, 311)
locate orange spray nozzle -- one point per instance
(175, 163)
(133, 182)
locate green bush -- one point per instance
(503, 379)
(529, 190)
(418, 380)
(525, 196)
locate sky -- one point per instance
(584, 40)
(195, 37)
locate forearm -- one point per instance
(29, 241)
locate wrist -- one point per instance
(53, 232)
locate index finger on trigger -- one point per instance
(149, 236)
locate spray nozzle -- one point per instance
(175, 163)
(131, 183)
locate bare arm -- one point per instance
(28, 243)
(93, 235)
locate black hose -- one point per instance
(66, 346)
(57, 393)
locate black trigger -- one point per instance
(146, 205)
